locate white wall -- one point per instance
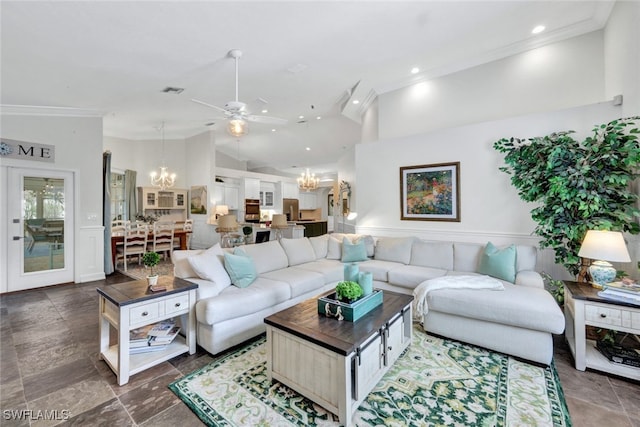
(489, 204)
(622, 55)
(561, 75)
(201, 160)
(78, 145)
(146, 156)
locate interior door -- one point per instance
(40, 207)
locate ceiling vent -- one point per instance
(173, 90)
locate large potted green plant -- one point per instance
(577, 186)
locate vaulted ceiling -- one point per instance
(300, 59)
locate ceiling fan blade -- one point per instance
(267, 119)
(209, 105)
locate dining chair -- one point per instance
(163, 233)
(186, 225)
(135, 243)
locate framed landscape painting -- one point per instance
(430, 192)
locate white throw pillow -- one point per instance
(181, 266)
(320, 245)
(299, 251)
(209, 265)
(334, 249)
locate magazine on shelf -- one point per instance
(146, 349)
(620, 296)
(161, 328)
(164, 340)
(619, 354)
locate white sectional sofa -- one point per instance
(518, 320)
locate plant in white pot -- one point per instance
(151, 259)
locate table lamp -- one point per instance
(603, 246)
(278, 223)
(226, 224)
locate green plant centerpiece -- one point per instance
(247, 230)
(151, 259)
(347, 291)
(577, 186)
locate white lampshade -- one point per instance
(605, 246)
(222, 210)
(279, 221)
(227, 223)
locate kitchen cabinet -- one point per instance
(229, 195)
(251, 188)
(307, 200)
(313, 228)
(266, 199)
(267, 194)
(290, 190)
(153, 201)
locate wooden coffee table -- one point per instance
(337, 363)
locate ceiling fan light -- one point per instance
(237, 127)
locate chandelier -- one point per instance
(164, 179)
(308, 181)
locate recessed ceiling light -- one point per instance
(273, 130)
(308, 148)
(265, 111)
(415, 70)
(355, 102)
(301, 117)
(538, 29)
(319, 117)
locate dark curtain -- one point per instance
(106, 210)
(130, 194)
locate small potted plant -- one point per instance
(247, 230)
(151, 259)
(348, 291)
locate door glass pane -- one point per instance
(43, 219)
(118, 204)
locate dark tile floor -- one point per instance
(49, 361)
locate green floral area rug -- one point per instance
(436, 382)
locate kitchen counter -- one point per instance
(313, 228)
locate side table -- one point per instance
(130, 305)
(583, 306)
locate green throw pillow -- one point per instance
(499, 263)
(353, 252)
(240, 268)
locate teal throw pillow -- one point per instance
(499, 263)
(240, 268)
(353, 252)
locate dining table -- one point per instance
(119, 238)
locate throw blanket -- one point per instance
(449, 282)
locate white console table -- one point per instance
(582, 307)
(130, 305)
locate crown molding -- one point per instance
(39, 110)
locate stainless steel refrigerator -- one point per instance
(290, 209)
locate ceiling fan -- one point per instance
(236, 112)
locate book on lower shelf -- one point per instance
(154, 337)
(147, 349)
(619, 354)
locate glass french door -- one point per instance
(40, 228)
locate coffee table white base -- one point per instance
(336, 382)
